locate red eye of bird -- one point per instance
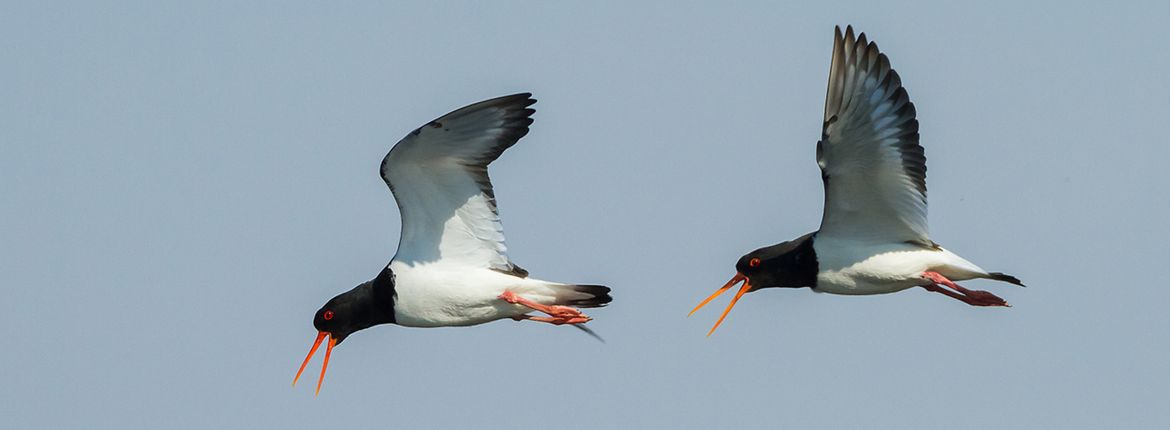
(328, 315)
(755, 262)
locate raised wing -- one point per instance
(438, 174)
(872, 165)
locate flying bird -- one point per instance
(873, 237)
(451, 268)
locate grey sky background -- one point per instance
(184, 185)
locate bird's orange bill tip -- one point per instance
(313, 350)
(734, 280)
(325, 363)
(747, 286)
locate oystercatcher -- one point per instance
(873, 237)
(451, 268)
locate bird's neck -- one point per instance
(383, 296)
(373, 301)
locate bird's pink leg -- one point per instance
(557, 314)
(971, 297)
(555, 320)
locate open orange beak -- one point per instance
(324, 365)
(747, 286)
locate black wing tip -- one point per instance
(517, 117)
(513, 103)
(523, 95)
(1004, 277)
(519, 112)
(522, 99)
(858, 38)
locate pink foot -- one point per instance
(557, 314)
(971, 297)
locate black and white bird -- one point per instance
(451, 268)
(873, 237)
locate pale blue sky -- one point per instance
(184, 185)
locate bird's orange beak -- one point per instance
(324, 365)
(747, 286)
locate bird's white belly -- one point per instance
(431, 296)
(853, 268)
(879, 274)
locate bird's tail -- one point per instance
(582, 296)
(1004, 277)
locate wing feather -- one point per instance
(438, 175)
(873, 167)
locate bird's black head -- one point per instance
(343, 315)
(364, 306)
(791, 264)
